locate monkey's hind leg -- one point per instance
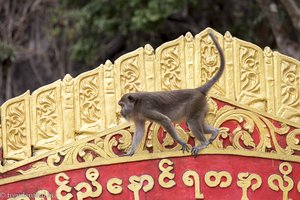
(166, 123)
(198, 132)
(212, 130)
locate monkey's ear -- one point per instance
(131, 98)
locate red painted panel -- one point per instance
(202, 164)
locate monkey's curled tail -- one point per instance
(207, 86)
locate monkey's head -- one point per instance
(127, 103)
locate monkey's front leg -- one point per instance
(137, 137)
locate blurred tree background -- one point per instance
(42, 40)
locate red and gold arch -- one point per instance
(64, 140)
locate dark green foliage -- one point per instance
(98, 21)
(7, 54)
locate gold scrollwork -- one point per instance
(46, 111)
(130, 75)
(16, 125)
(137, 183)
(242, 133)
(292, 139)
(15, 128)
(47, 119)
(95, 150)
(285, 183)
(290, 84)
(85, 190)
(114, 185)
(166, 173)
(89, 99)
(123, 143)
(249, 70)
(217, 177)
(245, 181)
(209, 56)
(188, 181)
(170, 68)
(242, 136)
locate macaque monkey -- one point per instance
(165, 107)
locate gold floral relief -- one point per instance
(130, 75)
(288, 81)
(47, 123)
(208, 59)
(88, 104)
(290, 84)
(15, 126)
(249, 70)
(249, 77)
(209, 55)
(47, 116)
(110, 145)
(253, 133)
(170, 65)
(15, 118)
(170, 68)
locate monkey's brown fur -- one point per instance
(166, 107)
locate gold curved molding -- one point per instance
(62, 116)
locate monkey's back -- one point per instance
(175, 104)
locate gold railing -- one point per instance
(73, 108)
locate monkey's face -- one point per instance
(127, 103)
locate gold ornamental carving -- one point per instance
(15, 120)
(47, 118)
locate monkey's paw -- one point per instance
(185, 147)
(129, 153)
(196, 149)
